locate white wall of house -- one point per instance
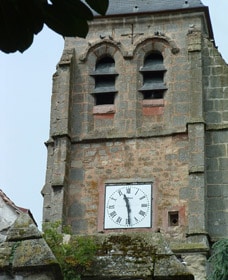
(7, 217)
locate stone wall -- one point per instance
(216, 114)
(163, 162)
(179, 143)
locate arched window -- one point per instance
(105, 76)
(153, 72)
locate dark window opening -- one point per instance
(151, 78)
(104, 76)
(153, 59)
(105, 98)
(152, 94)
(105, 64)
(153, 72)
(104, 82)
(173, 218)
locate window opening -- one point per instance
(105, 76)
(173, 218)
(153, 72)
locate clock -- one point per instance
(128, 206)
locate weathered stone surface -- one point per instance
(135, 255)
(23, 228)
(178, 144)
(25, 255)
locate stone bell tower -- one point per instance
(139, 127)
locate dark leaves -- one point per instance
(100, 6)
(62, 20)
(21, 19)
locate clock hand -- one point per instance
(128, 208)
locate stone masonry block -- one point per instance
(212, 164)
(179, 96)
(196, 208)
(220, 137)
(77, 174)
(196, 180)
(215, 93)
(183, 155)
(76, 209)
(225, 116)
(223, 163)
(209, 105)
(218, 217)
(217, 70)
(214, 151)
(214, 190)
(216, 204)
(224, 104)
(213, 117)
(218, 231)
(79, 226)
(182, 108)
(179, 121)
(224, 176)
(214, 177)
(225, 190)
(196, 223)
(197, 159)
(187, 193)
(208, 138)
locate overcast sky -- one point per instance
(26, 82)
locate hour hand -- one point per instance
(128, 208)
(127, 203)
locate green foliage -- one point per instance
(219, 261)
(21, 19)
(74, 256)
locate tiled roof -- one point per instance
(118, 7)
(16, 208)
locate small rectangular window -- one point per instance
(173, 218)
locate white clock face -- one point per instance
(128, 206)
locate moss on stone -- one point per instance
(189, 247)
(135, 255)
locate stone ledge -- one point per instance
(104, 109)
(153, 103)
(135, 256)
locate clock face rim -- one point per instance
(139, 220)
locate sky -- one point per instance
(25, 95)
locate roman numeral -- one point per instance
(128, 190)
(142, 213)
(119, 219)
(137, 191)
(113, 214)
(120, 193)
(144, 205)
(111, 206)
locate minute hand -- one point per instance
(128, 208)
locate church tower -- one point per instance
(139, 128)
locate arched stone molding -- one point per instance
(156, 43)
(103, 47)
(92, 113)
(144, 46)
